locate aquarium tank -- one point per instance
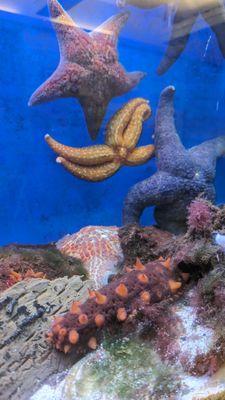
(112, 239)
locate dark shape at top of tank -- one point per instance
(185, 16)
(89, 69)
(182, 174)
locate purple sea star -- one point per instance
(182, 174)
(88, 69)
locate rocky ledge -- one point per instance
(26, 312)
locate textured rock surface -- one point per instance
(46, 259)
(146, 243)
(98, 247)
(26, 312)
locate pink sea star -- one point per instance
(89, 69)
(99, 249)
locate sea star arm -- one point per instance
(119, 122)
(159, 189)
(55, 88)
(171, 155)
(92, 155)
(207, 153)
(59, 15)
(67, 31)
(131, 80)
(133, 131)
(95, 107)
(94, 114)
(140, 155)
(92, 174)
(167, 141)
(215, 17)
(184, 20)
(110, 29)
(123, 81)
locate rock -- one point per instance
(155, 365)
(183, 339)
(146, 243)
(98, 247)
(26, 312)
(46, 259)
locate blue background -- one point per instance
(39, 200)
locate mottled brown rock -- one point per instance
(146, 243)
(26, 313)
(46, 259)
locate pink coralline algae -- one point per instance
(123, 302)
(200, 217)
(98, 247)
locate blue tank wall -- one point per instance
(39, 200)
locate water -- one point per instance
(41, 201)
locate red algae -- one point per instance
(200, 217)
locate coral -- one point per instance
(117, 306)
(182, 174)
(96, 163)
(200, 217)
(98, 247)
(89, 69)
(185, 15)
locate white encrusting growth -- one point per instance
(220, 240)
(195, 338)
(82, 381)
